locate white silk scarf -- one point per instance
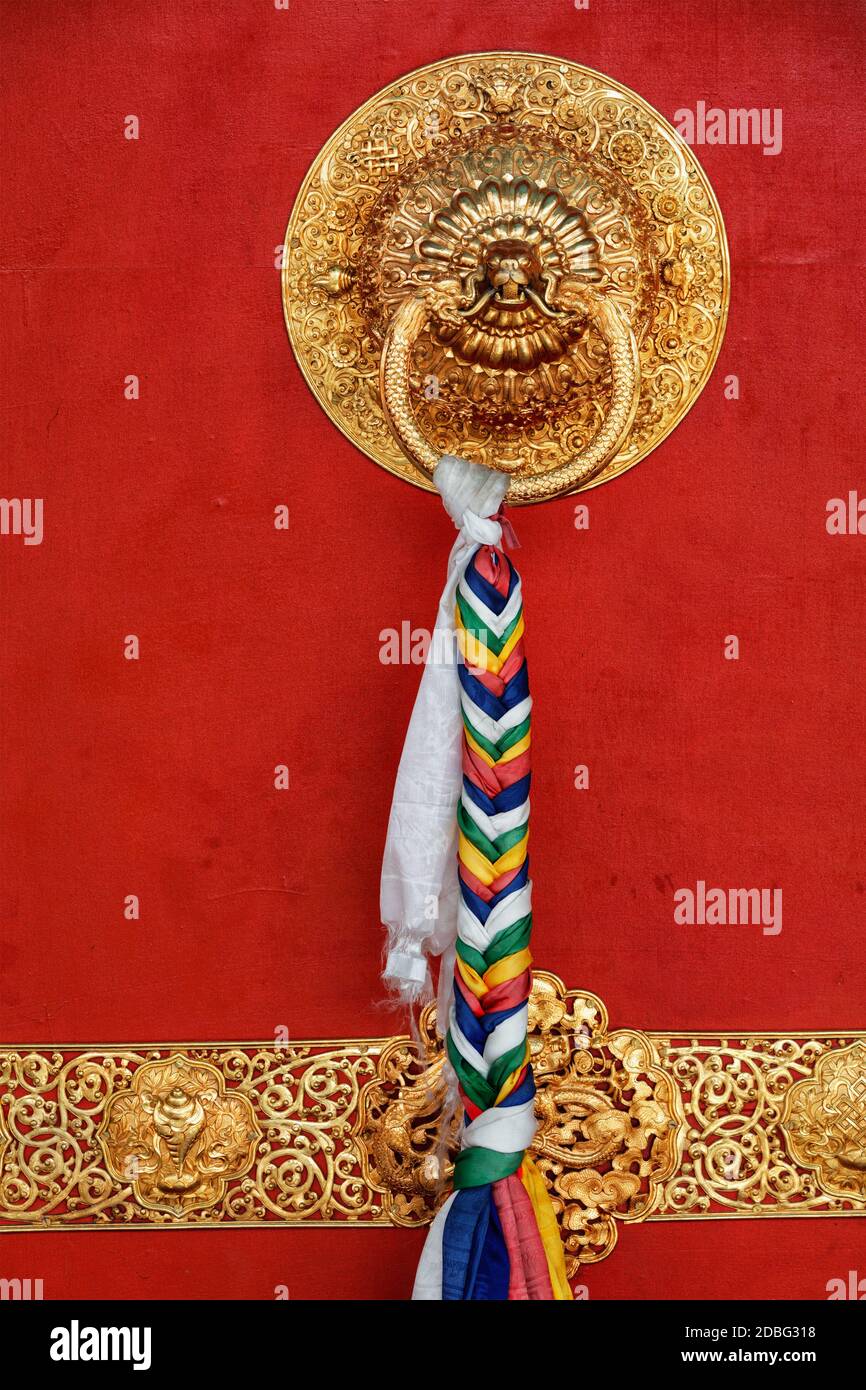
(419, 892)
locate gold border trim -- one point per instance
(633, 1126)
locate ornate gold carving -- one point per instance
(760, 1124)
(449, 173)
(633, 1126)
(825, 1118)
(508, 244)
(63, 1143)
(609, 1130)
(410, 319)
(178, 1136)
(335, 280)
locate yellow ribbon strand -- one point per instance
(476, 863)
(548, 1229)
(476, 748)
(474, 860)
(476, 654)
(512, 1079)
(515, 751)
(471, 978)
(508, 968)
(511, 643)
(512, 858)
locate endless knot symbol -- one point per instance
(378, 154)
(847, 1106)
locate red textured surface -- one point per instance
(259, 908)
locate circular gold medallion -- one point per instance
(512, 258)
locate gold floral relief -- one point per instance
(178, 1135)
(632, 1126)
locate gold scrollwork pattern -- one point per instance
(251, 1133)
(633, 1126)
(776, 1125)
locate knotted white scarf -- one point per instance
(419, 894)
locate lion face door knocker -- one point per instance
(510, 258)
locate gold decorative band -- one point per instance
(632, 1126)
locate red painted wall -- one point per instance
(258, 647)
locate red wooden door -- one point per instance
(155, 258)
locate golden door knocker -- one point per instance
(512, 258)
(511, 303)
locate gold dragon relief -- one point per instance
(609, 1132)
(632, 1126)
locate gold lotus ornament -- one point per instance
(512, 258)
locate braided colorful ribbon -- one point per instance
(497, 1236)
